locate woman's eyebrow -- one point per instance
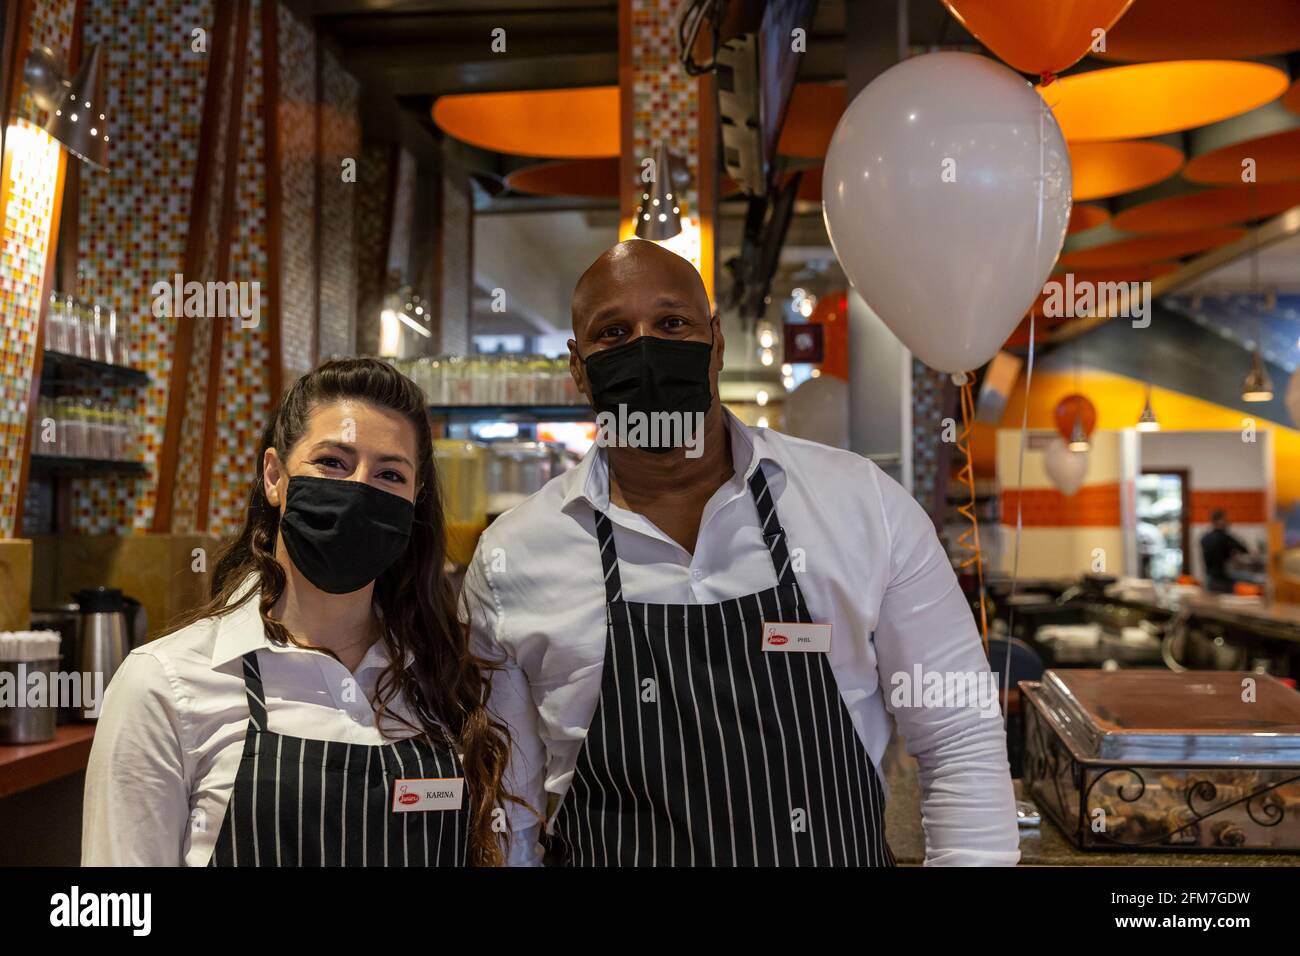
(352, 450)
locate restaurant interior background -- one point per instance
(426, 179)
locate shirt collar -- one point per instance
(240, 630)
(589, 481)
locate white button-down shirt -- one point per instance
(868, 562)
(172, 726)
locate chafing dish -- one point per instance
(1201, 761)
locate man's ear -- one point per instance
(719, 342)
(273, 473)
(578, 370)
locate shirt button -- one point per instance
(697, 574)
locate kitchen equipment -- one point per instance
(104, 642)
(462, 477)
(518, 469)
(29, 661)
(137, 621)
(1161, 761)
(65, 620)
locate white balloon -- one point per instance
(818, 410)
(1066, 468)
(932, 199)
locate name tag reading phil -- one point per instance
(793, 636)
(415, 795)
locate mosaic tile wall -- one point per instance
(665, 106)
(33, 176)
(340, 134)
(134, 225)
(52, 27)
(296, 124)
(135, 215)
(243, 404)
(189, 464)
(23, 249)
(928, 411)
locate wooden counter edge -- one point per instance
(24, 766)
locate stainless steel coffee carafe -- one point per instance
(103, 640)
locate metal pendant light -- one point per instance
(1078, 437)
(1147, 421)
(659, 215)
(78, 119)
(1258, 387)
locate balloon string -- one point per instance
(969, 540)
(1020, 494)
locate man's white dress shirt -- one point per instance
(868, 562)
(172, 726)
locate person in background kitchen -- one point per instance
(699, 644)
(1218, 547)
(324, 708)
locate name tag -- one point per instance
(422, 795)
(793, 636)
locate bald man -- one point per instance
(708, 632)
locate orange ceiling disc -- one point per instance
(597, 178)
(1148, 99)
(1108, 169)
(1084, 217)
(1186, 29)
(815, 110)
(1149, 249)
(810, 187)
(555, 124)
(1209, 208)
(1291, 99)
(1277, 159)
(1139, 272)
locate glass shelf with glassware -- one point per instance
(88, 336)
(505, 381)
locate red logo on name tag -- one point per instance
(408, 799)
(778, 639)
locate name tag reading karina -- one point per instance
(414, 795)
(794, 636)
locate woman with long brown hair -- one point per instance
(324, 707)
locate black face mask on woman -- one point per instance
(651, 374)
(343, 534)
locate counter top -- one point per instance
(29, 765)
(1044, 845)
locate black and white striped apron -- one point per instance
(300, 802)
(706, 750)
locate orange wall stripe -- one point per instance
(1094, 506)
(1242, 506)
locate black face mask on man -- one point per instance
(650, 376)
(343, 534)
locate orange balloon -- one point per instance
(1037, 36)
(1070, 408)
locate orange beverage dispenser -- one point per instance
(462, 476)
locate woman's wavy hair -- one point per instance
(414, 597)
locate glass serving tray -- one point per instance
(1162, 717)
